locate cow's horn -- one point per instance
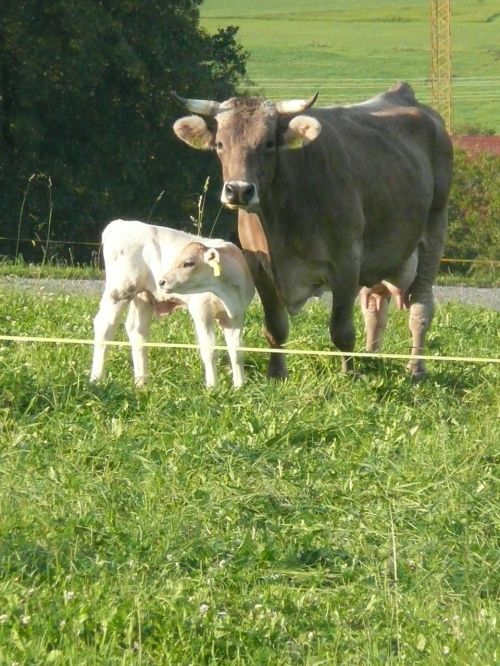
(295, 105)
(204, 107)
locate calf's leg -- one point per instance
(105, 324)
(204, 323)
(234, 339)
(138, 325)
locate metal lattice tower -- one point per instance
(441, 59)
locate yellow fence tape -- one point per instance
(256, 350)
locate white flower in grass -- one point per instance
(69, 595)
(446, 650)
(3, 618)
(203, 609)
(25, 619)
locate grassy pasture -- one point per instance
(352, 50)
(319, 521)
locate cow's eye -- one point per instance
(219, 145)
(188, 264)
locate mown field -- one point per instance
(324, 520)
(350, 50)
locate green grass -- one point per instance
(51, 269)
(352, 50)
(319, 521)
(477, 275)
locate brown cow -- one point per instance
(332, 199)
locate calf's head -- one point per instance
(246, 133)
(193, 270)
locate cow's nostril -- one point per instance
(231, 192)
(247, 193)
(162, 283)
(239, 192)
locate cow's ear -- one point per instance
(193, 130)
(301, 130)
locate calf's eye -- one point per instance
(188, 264)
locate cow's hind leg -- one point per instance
(421, 296)
(138, 325)
(105, 324)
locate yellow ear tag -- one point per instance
(215, 265)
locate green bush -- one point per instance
(474, 210)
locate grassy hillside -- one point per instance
(319, 521)
(350, 50)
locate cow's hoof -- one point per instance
(277, 377)
(277, 369)
(279, 374)
(416, 374)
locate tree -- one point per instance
(86, 101)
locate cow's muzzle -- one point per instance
(237, 193)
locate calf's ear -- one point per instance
(301, 130)
(212, 258)
(193, 130)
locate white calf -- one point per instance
(223, 271)
(136, 256)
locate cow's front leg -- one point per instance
(255, 248)
(276, 325)
(344, 292)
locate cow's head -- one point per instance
(246, 133)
